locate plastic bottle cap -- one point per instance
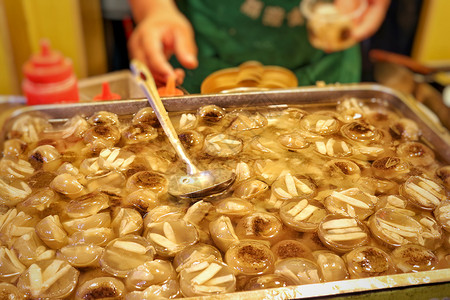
(106, 93)
(170, 89)
(47, 66)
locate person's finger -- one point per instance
(371, 21)
(185, 47)
(134, 48)
(160, 79)
(346, 6)
(168, 53)
(154, 51)
(168, 44)
(139, 54)
(179, 76)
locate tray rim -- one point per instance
(341, 287)
(170, 100)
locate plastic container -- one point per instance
(247, 77)
(49, 78)
(170, 89)
(106, 93)
(330, 23)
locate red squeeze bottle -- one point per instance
(49, 78)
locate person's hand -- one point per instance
(371, 19)
(162, 31)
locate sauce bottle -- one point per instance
(49, 78)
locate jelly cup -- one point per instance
(368, 261)
(330, 25)
(207, 278)
(342, 234)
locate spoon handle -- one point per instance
(145, 80)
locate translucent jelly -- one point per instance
(323, 193)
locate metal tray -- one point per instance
(433, 134)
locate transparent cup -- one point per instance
(330, 22)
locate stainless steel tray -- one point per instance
(434, 135)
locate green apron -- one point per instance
(272, 32)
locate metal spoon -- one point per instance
(195, 184)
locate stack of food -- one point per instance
(322, 194)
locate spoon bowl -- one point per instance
(194, 184)
(202, 184)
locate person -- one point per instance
(191, 40)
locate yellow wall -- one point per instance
(73, 27)
(8, 79)
(94, 40)
(432, 42)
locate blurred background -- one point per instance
(93, 33)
